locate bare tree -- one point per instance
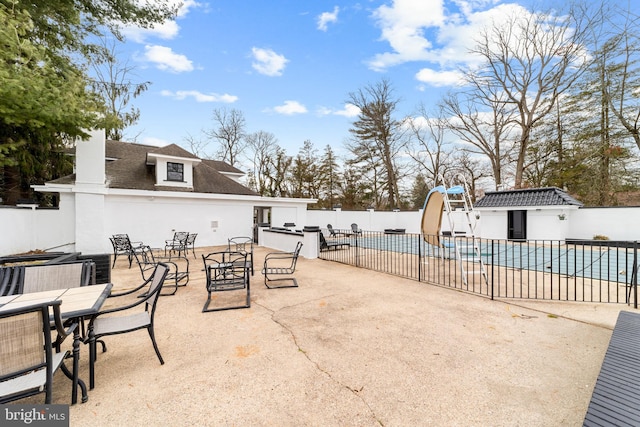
(378, 136)
(113, 84)
(473, 169)
(620, 58)
(532, 58)
(229, 133)
(428, 145)
(196, 146)
(264, 147)
(484, 121)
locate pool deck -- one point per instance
(349, 347)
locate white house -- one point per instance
(149, 193)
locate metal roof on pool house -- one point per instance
(548, 196)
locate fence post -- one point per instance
(493, 251)
(357, 254)
(635, 276)
(419, 258)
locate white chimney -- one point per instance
(90, 158)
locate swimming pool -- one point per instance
(597, 262)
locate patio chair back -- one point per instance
(38, 278)
(27, 357)
(242, 244)
(11, 280)
(191, 243)
(24, 279)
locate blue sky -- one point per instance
(289, 65)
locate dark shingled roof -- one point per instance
(127, 168)
(170, 150)
(549, 196)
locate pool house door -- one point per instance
(517, 225)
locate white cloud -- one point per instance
(424, 30)
(199, 96)
(403, 24)
(327, 17)
(267, 62)
(166, 30)
(166, 60)
(349, 110)
(290, 107)
(439, 78)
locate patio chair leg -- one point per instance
(294, 283)
(92, 361)
(155, 345)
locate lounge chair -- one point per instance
(335, 233)
(355, 229)
(332, 244)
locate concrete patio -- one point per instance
(348, 347)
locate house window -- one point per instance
(175, 172)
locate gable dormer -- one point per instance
(173, 166)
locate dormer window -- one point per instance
(175, 172)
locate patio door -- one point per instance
(261, 218)
(517, 225)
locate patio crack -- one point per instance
(354, 391)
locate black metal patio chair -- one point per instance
(190, 243)
(280, 266)
(29, 355)
(127, 318)
(242, 244)
(227, 271)
(122, 245)
(177, 244)
(178, 274)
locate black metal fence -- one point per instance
(585, 270)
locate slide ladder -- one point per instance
(465, 243)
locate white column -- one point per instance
(90, 190)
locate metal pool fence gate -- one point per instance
(584, 270)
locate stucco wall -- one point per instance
(24, 229)
(148, 218)
(153, 220)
